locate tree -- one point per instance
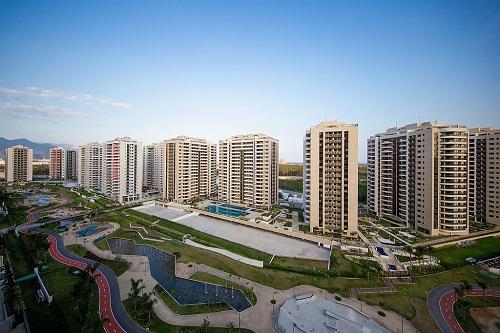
(466, 286)
(409, 249)
(482, 285)
(230, 326)
(147, 302)
(136, 288)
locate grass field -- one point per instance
(279, 279)
(117, 266)
(159, 326)
(454, 256)
(294, 185)
(401, 301)
(463, 315)
(18, 255)
(205, 277)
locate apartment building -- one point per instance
(71, 162)
(148, 168)
(417, 175)
(477, 174)
(18, 164)
(493, 177)
(188, 169)
(122, 160)
(89, 166)
(248, 170)
(57, 168)
(331, 178)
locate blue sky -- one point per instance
(74, 72)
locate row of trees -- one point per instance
(464, 290)
(83, 292)
(143, 300)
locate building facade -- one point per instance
(331, 178)
(477, 174)
(493, 177)
(57, 168)
(122, 160)
(71, 164)
(89, 166)
(188, 169)
(248, 170)
(417, 175)
(18, 164)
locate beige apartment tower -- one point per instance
(18, 164)
(331, 178)
(188, 169)
(417, 175)
(248, 170)
(57, 163)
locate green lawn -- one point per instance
(117, 266)
(188, 309)
(18, 255)
(159, 326)
(279, 279)
(294, 185)
(205, 277)
(454, 256)
(400, 301)
(462, 309)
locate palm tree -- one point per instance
(206, 324)
(466, 285)
(457, 290)
(483, 285)
(136, 288)
(409, 249)
(147, 303)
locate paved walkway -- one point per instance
(258, 318)
(234, 256)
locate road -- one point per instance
(440, 303)
(110, 305)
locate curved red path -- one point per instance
(111, 325)
(449, 298)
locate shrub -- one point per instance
(338, 298)
(381, 313)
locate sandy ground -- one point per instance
(487, 318)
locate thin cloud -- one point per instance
(46, 111)
(57, 94)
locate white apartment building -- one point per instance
(331, 178)
(152, 169)
(188, 169)
(57, 167)
(493, 177)
(18, 164)
(248, 170)
(417, 175)
(89, 166)
(122, 160)
(71, 164)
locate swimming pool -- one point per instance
(89, 231)
(381, 251)
(227, 209)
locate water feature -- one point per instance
(184, 291)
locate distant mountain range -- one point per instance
(40, 150)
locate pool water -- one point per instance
(226, 209)
(90, 230)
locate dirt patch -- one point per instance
(487, 318)
(423, 320)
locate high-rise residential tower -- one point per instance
(18, 164)
(90, 166)
(493, 177)
(417, 175)
(477, 174)
(188, 169)
(122, 169)
(249, 170)
(57, 163)
(71, 162)
(148, 167)
(331, 178)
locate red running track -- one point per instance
(110, 325)
(448, 299)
